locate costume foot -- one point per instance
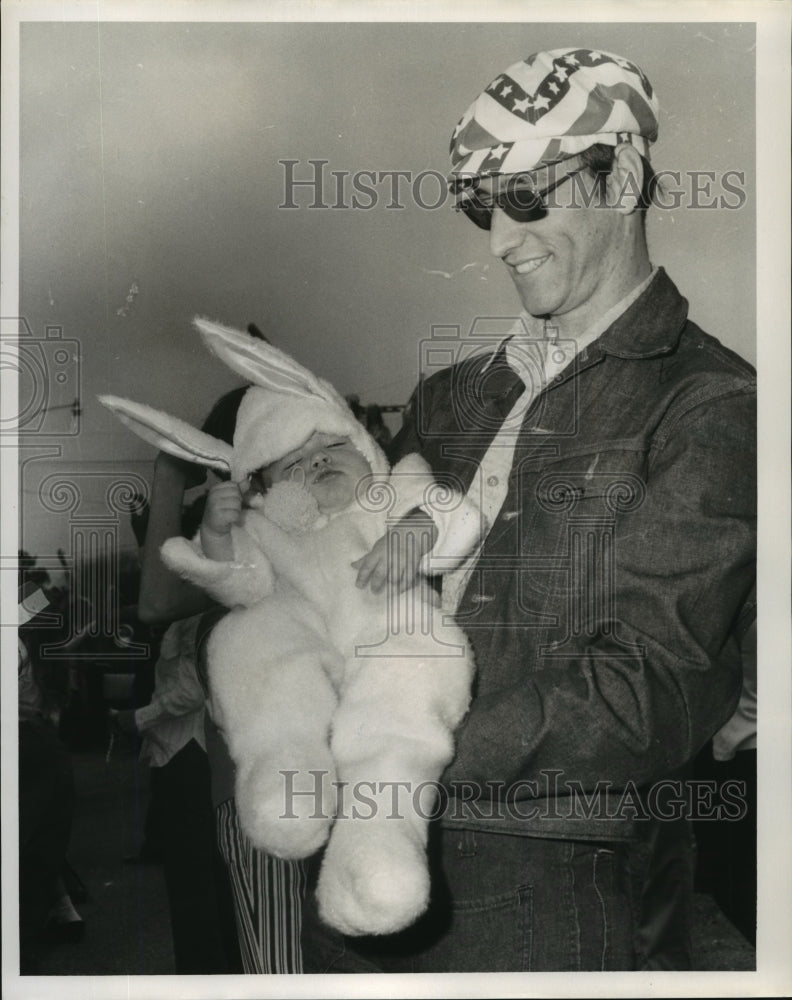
(287, 814)
(374, 879)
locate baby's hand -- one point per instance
(223, 510)
(396, 557)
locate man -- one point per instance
(611, 444)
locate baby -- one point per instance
(330, 468)
(336, 682)
(384, 681)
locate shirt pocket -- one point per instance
(572, 509)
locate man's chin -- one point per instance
(533, 301)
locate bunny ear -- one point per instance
(262, 363)
(170, 434)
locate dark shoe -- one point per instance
(68, 932)
(64, 924)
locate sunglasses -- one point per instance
(522, 201)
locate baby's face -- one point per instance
(328, 466)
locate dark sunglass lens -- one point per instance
(521, 203)
(475, 211)
(522, 198)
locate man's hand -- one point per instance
(395, 558)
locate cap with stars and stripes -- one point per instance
(553, 105)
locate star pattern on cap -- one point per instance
(481, 132)
(495, 158)
(554, 87)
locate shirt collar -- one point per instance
(651, 325)
(646, 323)
(532, 328)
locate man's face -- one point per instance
(571, 263)
(328, 466)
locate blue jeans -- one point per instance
(500, 903)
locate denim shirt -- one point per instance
(602, 608)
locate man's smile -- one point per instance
(527, 266)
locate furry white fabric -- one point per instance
(280, 411)
(316, 682)
(271, 425)
(284, 407)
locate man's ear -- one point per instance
(625, 179)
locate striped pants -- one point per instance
(268, 896)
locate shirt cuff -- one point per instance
(147, 716)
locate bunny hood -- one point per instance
(272, 424)
(285, 405)
(279, 412)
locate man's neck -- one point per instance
(623, 266)
(539, 330)
(584, 329)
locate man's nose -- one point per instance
(505, 233)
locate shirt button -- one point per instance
(492, 481)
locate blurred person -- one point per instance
(375, 425)
(46, 800)
(267, 891)
(171, 727)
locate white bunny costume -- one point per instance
(321, 687)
